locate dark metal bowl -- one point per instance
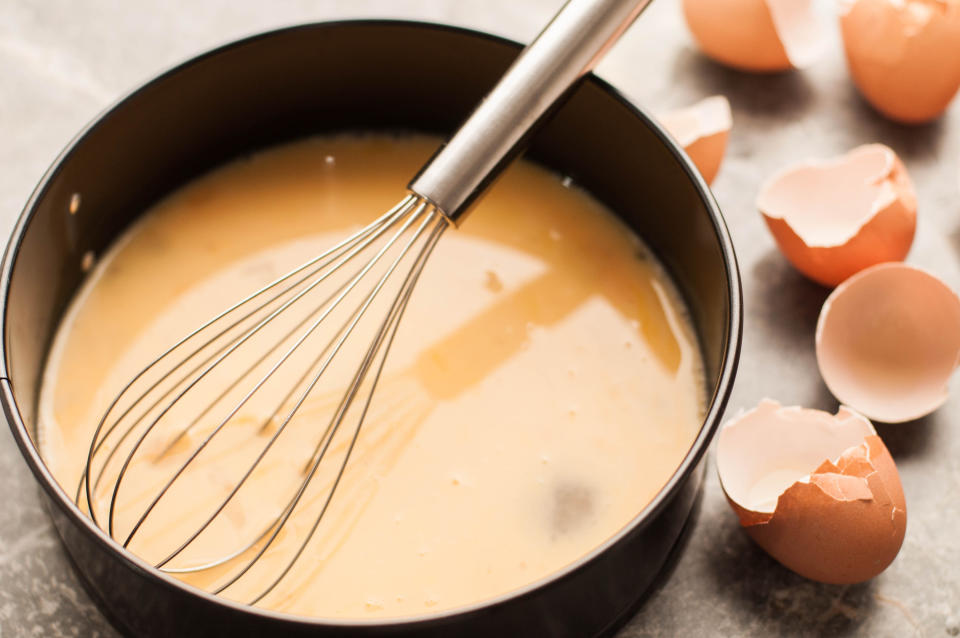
(357, 75)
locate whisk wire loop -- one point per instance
(332, 347)
(392, 320)
(146, 402)
(101, 435)
(246, 337)
(387, 333)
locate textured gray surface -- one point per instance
(61, 62)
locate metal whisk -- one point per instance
(268, 353)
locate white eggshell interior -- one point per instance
(801, 32)
(827, 202)
(705, 118)
(888, 340)
(769, 448)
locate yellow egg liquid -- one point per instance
(543, 386)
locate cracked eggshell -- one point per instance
(835, 217)
(756, 35)
(702, 130)
(818, 492)
(903, 55)
(888, 341)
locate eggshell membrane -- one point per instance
(903, 55)
(888, 341)
(835, 217)
(702, 129)
(756, 35)
(835, 521)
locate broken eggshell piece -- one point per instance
(756, 35)
(833, 218)
(903, 54)
(818, 492)
(702, 130)
(888, 341)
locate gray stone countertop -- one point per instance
(61, 62)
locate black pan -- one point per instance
(318, 78)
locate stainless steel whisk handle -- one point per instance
(566, 50)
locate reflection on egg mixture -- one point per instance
(543, 386)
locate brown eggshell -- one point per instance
(756, 35)
(833, 218)
(702, 129)
(839, 521)
(903, 55)
(888, 341)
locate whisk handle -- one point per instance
(566, 50)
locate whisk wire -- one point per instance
(329, 255)
(341, 411)
(142, 411)
(233, 348)
(387, 332)
(335, 344)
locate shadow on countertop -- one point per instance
(910, 141)
(785, 94)
(911, 439)
(781, 602)
(789, 302)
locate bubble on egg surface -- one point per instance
(903, 55)
(818, 492)
(888, 341)
(756, 35)
(832, 218)
(702, 129)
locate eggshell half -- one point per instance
(819, 492)
(904, 55)
(702, 130)
(888, 341)
(756, 35)
(833, 218)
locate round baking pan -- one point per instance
(357, 75)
